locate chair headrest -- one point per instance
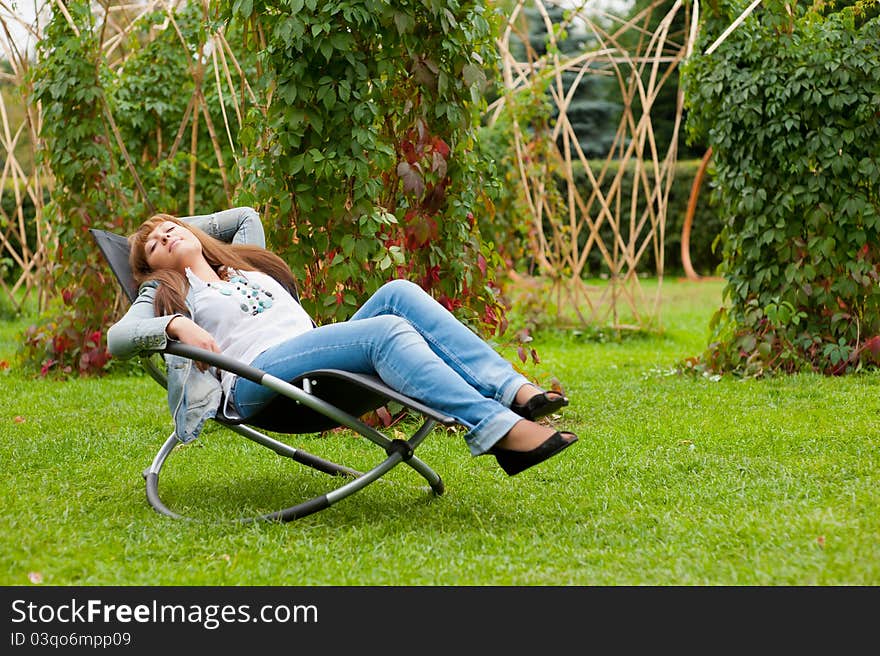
(115, 250)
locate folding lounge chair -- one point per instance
(314, 402)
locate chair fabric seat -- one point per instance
(285, 415)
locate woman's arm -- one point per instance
(140, 329)
(239, 225)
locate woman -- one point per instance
(209, 282)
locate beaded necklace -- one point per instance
(253, 299)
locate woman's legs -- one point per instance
(391, 347)
(471, 357)
(456, 344)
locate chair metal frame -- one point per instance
(316, 401)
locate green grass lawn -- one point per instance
(675, 481)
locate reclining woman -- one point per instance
(209, 281)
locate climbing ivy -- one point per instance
(87, 193)
(152, 94)
(364, 157)
(789, 103)
(109, 136)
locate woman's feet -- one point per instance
(533, 403)
(527, 444)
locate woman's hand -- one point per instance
(189, 332)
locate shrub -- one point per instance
(365, 163)
(789, 104)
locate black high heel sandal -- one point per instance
(540, 405)
(513, 462)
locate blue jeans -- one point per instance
(417, 347)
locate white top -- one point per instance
(246, 316)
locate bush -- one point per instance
(365, 162)
(789, 105)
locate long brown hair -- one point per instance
(173, 285)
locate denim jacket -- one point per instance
(193, 395)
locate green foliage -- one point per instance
(789, 104)
(359, 146)
(87, 193)
(365, 162)
(151, 97)
(96, 186)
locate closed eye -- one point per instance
(155, 242)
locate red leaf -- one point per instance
(420, 231)
(412, 179)
(431, 277)
(438, 165)
(872, 348)
(481, 263)
(409, 151)
(490, 318)
(441, 147)
(449, 303)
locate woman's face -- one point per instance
(171, 246)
